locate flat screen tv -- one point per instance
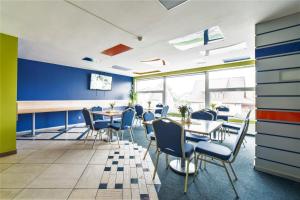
(100, 82)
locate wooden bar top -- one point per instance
(63, 105)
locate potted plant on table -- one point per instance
(132, 97)
(183, 110)
(112, 105)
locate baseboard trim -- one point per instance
(8, 153)
(276, 173)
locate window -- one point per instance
(188, 89)
(149, 90)
(233, 88)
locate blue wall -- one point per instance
(45, 81)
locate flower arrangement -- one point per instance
(112, 105)
(213, 106)
(183, 109)
(132, 96)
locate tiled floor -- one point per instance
(48, 169)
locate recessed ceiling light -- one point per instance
(235, 59)
(198, 39)
(169, 4)
(120, 68)
(120, 48)
(157, 62)
(87, 59)
(226, 49)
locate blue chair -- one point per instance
(202, 116)
(214, 113)
(126, 123)
(96, 117)
(170, 139)
(222, 109)
(159, 108)
(222, 153)
(93, 125)
(150, 136)
(164, 112)
(139, 111)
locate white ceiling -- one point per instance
(56, 32)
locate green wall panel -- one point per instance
(8, 92)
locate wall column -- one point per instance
(8, 93)
(278, 97)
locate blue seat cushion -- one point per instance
(102, 120)
(115, 126)
(195, 138)
(231, 126)
(188, 149)
(151, 136)
(101, 124)
(214, 150)
(117, 120)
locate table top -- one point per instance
(108, 113)
(227, 114)
(196, 126)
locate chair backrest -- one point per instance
(164, 111)
(222, 108)
(202, 115)
(214, 113)
(158, 111)
(169, 137)
(148, 116)
(97, 117)
(241, 135)
(139, 109)
(88, 118)
(127, 118)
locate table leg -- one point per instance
(179, 166)
(33, 125)
(67, 121)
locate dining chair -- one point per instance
(127, 119)
(221, 155)
(159, 108)
(139, 112)
(98, 126)
(201, 115)
(222, 109)
(164, 112)
(150, 136)
(170, 139)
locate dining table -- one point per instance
(111, 114)
(195, 126)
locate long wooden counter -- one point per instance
(33, 107)
(64, 105)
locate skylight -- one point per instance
(198, 39)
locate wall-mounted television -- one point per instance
(100, 82)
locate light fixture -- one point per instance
(157, 62)
(88, 59)
(235, 59)
(226, 49)
(147, 72)
(120, 68)
(198, 39)
(169, 4)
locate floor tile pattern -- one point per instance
(50, 169)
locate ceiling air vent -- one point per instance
(169, 4)
(87, 59)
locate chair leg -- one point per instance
(122, 133)
(201, 161)
(196, 158)
(230, 179)
(131, 132)
(86, 136)
(167, 162)
(118, 138)
(186, 175)
(95, 138)
(156, 162)
(147, 149)
(235, 176)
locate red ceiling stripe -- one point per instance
(286, 116)
(120, 48)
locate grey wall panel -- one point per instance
(278, 89)
(285, 157)
(280, 129)
(288, 144)
(278, 62)
(278, 169)
(292, 103)
(286, 75)
(272, 25)
(291, 33)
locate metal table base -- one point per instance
(180, 168)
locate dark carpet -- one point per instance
(213, 183)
